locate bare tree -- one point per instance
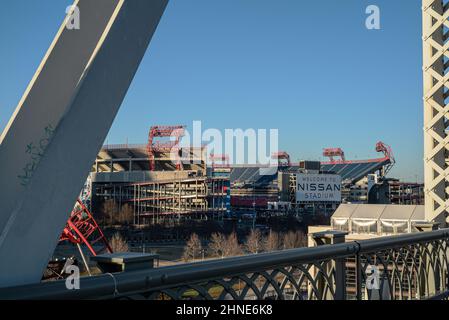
(127, 214)
(118, 244)
(217, 244)
(294, 240)
(272, 242)
(110, 210)
(193, 248)
(254, 242)
(302, 240)
(232, 246)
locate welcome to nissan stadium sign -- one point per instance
(318, 188)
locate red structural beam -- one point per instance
(81, 228)
(282, 157)
(386, 150)
(153, 146)
(334, 152)
(388, 153)
(355, 161)
(380, 147)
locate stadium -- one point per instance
(198, 185)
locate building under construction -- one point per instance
(393, 191)
(160, 181)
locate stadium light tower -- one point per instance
(436, 139)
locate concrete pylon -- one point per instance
(51, 142)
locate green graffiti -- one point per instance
(35, 151)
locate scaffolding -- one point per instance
(159, 201)
(402, 193)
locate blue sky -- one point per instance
(309, 68)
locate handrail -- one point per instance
(401, 240)
(129, 283)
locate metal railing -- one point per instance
(410, 266)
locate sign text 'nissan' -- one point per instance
(318, 188)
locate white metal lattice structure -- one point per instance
(436, 108)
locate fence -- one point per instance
(410, 266)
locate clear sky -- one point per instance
(308, 68)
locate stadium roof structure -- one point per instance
(135, 158)
(355, 170)
(256, 175)
(350, 171)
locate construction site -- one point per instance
(161, 180)
(164, 182)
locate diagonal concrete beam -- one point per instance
(46, 100)
(59, 126)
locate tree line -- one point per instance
(111, 214)
(222, 246)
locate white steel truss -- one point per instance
(436, 108)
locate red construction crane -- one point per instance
(388, 153)
(385, 149)
(170, 146)
(334, 152)
(282, 157)
(81, 228)
(388, 158)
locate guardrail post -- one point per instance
(338, 265)
(429, 276)
(358, 275)
(426, 227)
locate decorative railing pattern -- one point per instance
(414, 271)
(410, 266)
(296, 282)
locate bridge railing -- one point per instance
(410, 266)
